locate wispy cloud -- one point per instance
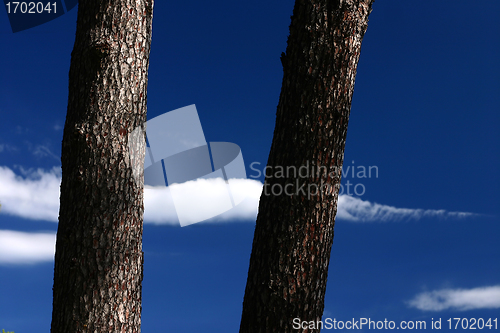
(38, 150)
(26, 248)
(44, 151)
(458, 299)
(35, 195)
(6, 147)
(357, 210)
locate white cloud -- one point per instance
(357, 210)
(36, 196)
(159, 207)
(26, 248)
(458, 299)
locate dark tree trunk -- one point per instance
(98, 263)
(294, 231)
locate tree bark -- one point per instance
(294, 230)
(99, 258)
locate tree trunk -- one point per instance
(294, 231)
(99, 258)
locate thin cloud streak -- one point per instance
(43, 151)
(356, 210)
(6, 147)
(458, 299)
(26, 247)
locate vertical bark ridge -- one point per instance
(294, 233)
(99, 258)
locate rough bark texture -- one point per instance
(294, 231)
(98, 263)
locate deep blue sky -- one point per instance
(424, 111)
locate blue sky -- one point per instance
(420, 242)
